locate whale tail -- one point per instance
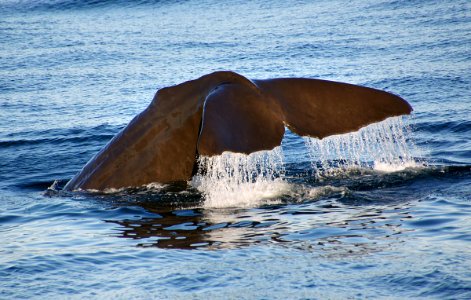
(225, 111)
(238, 118)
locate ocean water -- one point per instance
(382, 213)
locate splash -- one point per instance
(239, 180)
(384, 147)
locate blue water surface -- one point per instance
(73, 73)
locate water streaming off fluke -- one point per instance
(239, 180)
(386, 147)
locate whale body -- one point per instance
(224, 111)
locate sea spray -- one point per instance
(386, 146)
(234, 179)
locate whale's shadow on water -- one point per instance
(354, 213)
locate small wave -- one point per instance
(100, 133)
(59, 5)
(52, 140)
(303, 192)
(39, 185)
(456, 126)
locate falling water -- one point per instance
(384, 146)
(234, 179)
(240, 180)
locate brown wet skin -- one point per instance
(224, 111)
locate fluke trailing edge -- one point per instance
(224, 111)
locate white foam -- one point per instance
(154, 186)
(386, 167)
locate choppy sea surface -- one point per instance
(382, 213)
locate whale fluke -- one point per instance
(239, 118)
(224, 111)
(320, 108)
